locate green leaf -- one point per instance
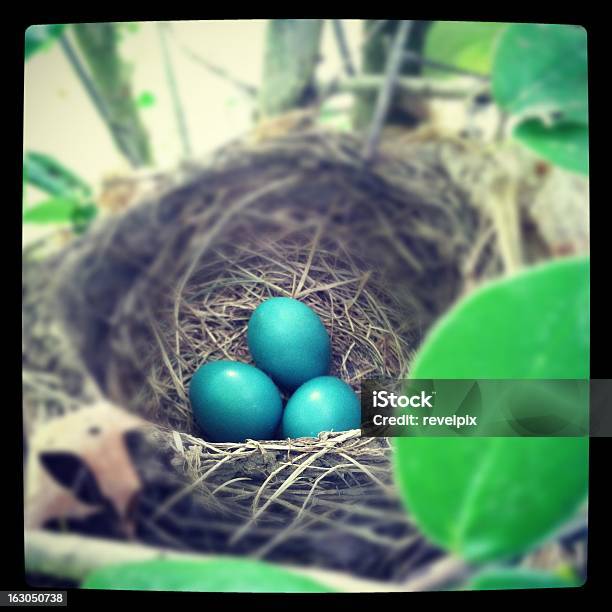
(145, 100)
(566, 145)
(469, 45)
(83, 216)
(540, 71)
(533, 325)
(46, 173)
(489, 498)
(41, 37)
(223, 576)
(56, 210)
(518, 578)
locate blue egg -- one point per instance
(233, 401)
(288, 341)
(325, 403)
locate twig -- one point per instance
(385, 95)
(451, 88)
(179, 112)
(246, 88)
(73, 557)
(90, 87)
(443, 573)
(378, 25)
(343, 48)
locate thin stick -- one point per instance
(385, 95)
(90, 88)
(179, 112)
(343, 48)
(315, 244)
(451, 88)
(73, 557)
(246, 88)
(375, 29)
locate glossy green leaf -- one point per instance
(222, 576)
(566, 145)
(540, 71)
(46, 173)
(532, 325)
(469, 45)
(518, 578)
(56, 210)
(41, 37)
(83, 216)
(488, 498)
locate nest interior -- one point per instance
(375, 250)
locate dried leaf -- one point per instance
(95, 436)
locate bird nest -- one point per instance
(375, 249)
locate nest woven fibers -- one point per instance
(150, 295)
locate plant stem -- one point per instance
(99, 45)
(383, 102)
(343, 48)
(213, 68)
(290, 61)
(86, 81)
(179, 112)
(73, 557)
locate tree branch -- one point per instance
(246, 88)
(343, 48)
(99, 45)
(394, 64)
(73, 557)
(292, 52)
(179, 113)
(451, 88)
(85, 79)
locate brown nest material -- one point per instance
(376, 250)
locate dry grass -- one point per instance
(375, 250)
(208, 319)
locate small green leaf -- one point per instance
(145, 100)
(518, 578)
(82, 217)
(46, 173)
(469, 45)
(488, 498)
(223, 576)
(566, 145)
(41, 37)
(540, 71)
(56, 210)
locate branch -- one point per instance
(291, 56)
(383, 102)
(246, 88)
(99, 46)
(85, 79)
(73, 557)
(451, 88)
(179, 113)
(375, 29)
(343, 48)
